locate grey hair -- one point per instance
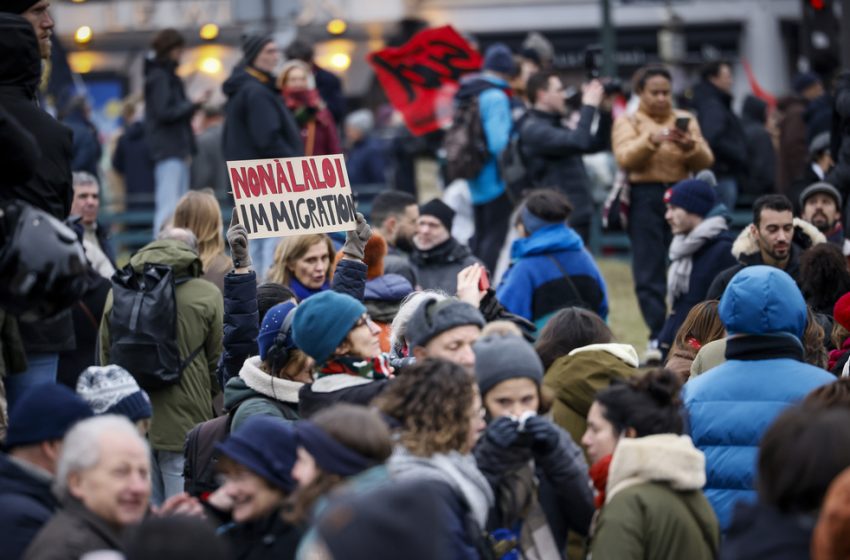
(84, 178)
(362, 120)
(409, 304)
(81, 447)
(179, 234)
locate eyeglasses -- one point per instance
(363, 321)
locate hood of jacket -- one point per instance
(253, 381)
(243, 76)
(459, 471)
(14, 479)
(448, 252)
(576, 377)
(754, 109)
(476, 83)
(763, 300)
(805, 235)
(550, 239)
(176, 254)
(665, 458)
(388, 287)
(20, 65)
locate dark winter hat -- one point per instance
(692, 195)
(400, 520)
(841, 311)
(44, 413)
(16, 6)
(252, 44)
(323, 321)
(499, 358)
(499, 58)
(112, 390)
(803, 80)
(820, 188)
(819, 143)
(273, 324)
(439, 210)
(330, 455)
(266, 446)
(434, 317)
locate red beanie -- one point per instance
(841, 312)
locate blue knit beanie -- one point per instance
(112, 390)
(499, 58)
(44, 413)
(323, 321)
(272, 323)
(266, 446)
(692, 195)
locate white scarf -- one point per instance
(682, 250)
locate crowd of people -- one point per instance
(370, 394)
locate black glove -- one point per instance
(545, 436)
(355, 240)
(237, 238)
(503, 431)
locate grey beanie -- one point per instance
(502, 357)
(434, 317)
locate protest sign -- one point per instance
(292, 196)
(421, 77)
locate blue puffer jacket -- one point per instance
(535, 287)
(732, 405)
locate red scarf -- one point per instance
(835, 355)
(599, 476)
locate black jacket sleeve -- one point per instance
(20, 152)
(541, 139)
(350, 279)
(241, 323)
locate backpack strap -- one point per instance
(191, 357)
(569, 281)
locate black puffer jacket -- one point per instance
(26, 505)
(20, 71)
(258, 125)
(722, 130)
(269, 538)
(168, 112)
(553, 155)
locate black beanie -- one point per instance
(16, 6)
(439, 210)
(252, 45)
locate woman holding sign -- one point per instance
(318, 128)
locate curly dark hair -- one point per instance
(432, 402)
(824, 277)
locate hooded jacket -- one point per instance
(257, 124)
(654, 507)
(577, 377)
(437, 268)
(256, 393)
(382, 299)
(731, 405)
(26, 505)
(746, 250)
(180, 407)
(20, 72)
(168, 112)
(536, 286)
(722, 129)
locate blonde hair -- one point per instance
(292, 65)
(199, 212)
(290, 249)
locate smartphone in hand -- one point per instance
(484, 282)
(682, 123)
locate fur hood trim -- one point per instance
(746, 243)
(626, 353)
(331, 383)
(666, 458)
(275, 388)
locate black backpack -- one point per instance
(465, 142)
(513, 168)
(143, 326)
(200, 468)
